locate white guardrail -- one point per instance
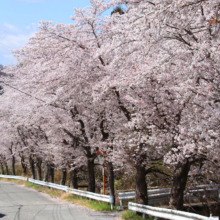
(166, 213)
(90, 195)
(14, 177)
(163, 195)
(154, 196)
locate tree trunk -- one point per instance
(91, 173)
(218, 204)
(46, 172)
(51, 173)
(141, 196)
(179, 185)
(13, 165)
(73, 179)
(2, 169)
(38, 166)
(6, 166)
(23, 166)
(63, 177)
(218, 208)
(111, 180)
(32, 169)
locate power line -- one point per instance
(27, 94)
(41, 100)
(6, 45)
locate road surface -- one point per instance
(21, 203)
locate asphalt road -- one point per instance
(21, 203)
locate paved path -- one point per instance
(21, 203)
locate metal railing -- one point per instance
(166, 213)
(90, 195)
(48, 184)
(14, 177)
(163, 195)
(154, 196)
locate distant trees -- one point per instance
(118, 9)
(1, 73)
(1, 90)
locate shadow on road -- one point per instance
(2, 215)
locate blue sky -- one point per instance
(19, 20)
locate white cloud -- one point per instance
(10, 27)
(32, 26)
(14, 41)
(12, 37)
(8, 56)
(36, 1)
(30, 1)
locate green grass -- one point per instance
(68, 197)
(19, 182)
(34, 186)
(100, 206)
(128, 215)
(49, 191)
(95, 205)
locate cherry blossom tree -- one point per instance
(165, 60)
(68, 57)
(142, 86)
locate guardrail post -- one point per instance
(111, 200)
(143, 216)
(121, 204)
